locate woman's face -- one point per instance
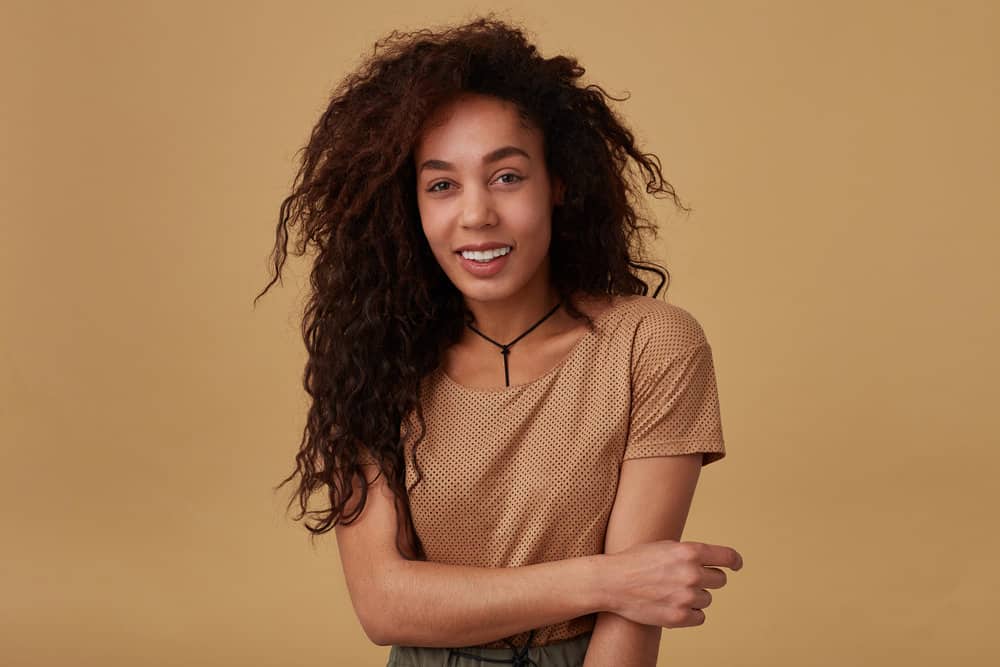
(481, 178)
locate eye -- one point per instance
(432, 188)
(517, 179)
(511, 174)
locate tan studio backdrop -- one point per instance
(841, 163)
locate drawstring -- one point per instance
(520, 659)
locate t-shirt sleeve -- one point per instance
(675, 401)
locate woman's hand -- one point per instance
(663, 583)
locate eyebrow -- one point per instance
(492, 156)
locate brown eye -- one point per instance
(431, 189)
(511, 174)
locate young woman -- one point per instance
(508, 430)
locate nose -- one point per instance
(477, 208)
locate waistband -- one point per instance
(521, 657)
(564, 653)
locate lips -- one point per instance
(484, 269)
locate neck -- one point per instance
(503, 320)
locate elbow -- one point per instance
(373, 631)
(375, 637)
(374, 616)
(376, 602)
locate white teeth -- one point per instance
(485, 255)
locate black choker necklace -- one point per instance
(505, 349)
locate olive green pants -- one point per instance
(566, 653)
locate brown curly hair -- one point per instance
(381, 311)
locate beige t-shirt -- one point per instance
(528, 473)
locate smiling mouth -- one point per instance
(484, 261)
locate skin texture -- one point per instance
(509, 201)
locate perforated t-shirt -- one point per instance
(528, 473)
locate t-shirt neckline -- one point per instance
(574, 351)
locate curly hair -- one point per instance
(381, 311)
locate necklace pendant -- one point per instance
(505, 349)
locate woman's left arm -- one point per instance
(652, 502)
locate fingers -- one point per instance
(712, 577)
(716, 554)
(702, 599)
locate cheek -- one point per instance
(427, 223)
(532, 209)
(438, 241)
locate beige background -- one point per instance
(842, 162)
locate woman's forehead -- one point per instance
(475, 125)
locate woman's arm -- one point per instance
(652, 502)
(421, 603)
(433, 604)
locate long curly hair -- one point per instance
(381, 311)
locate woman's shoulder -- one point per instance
(643, 320)
(655, 319)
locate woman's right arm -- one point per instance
(422, 603)
(434, 604)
